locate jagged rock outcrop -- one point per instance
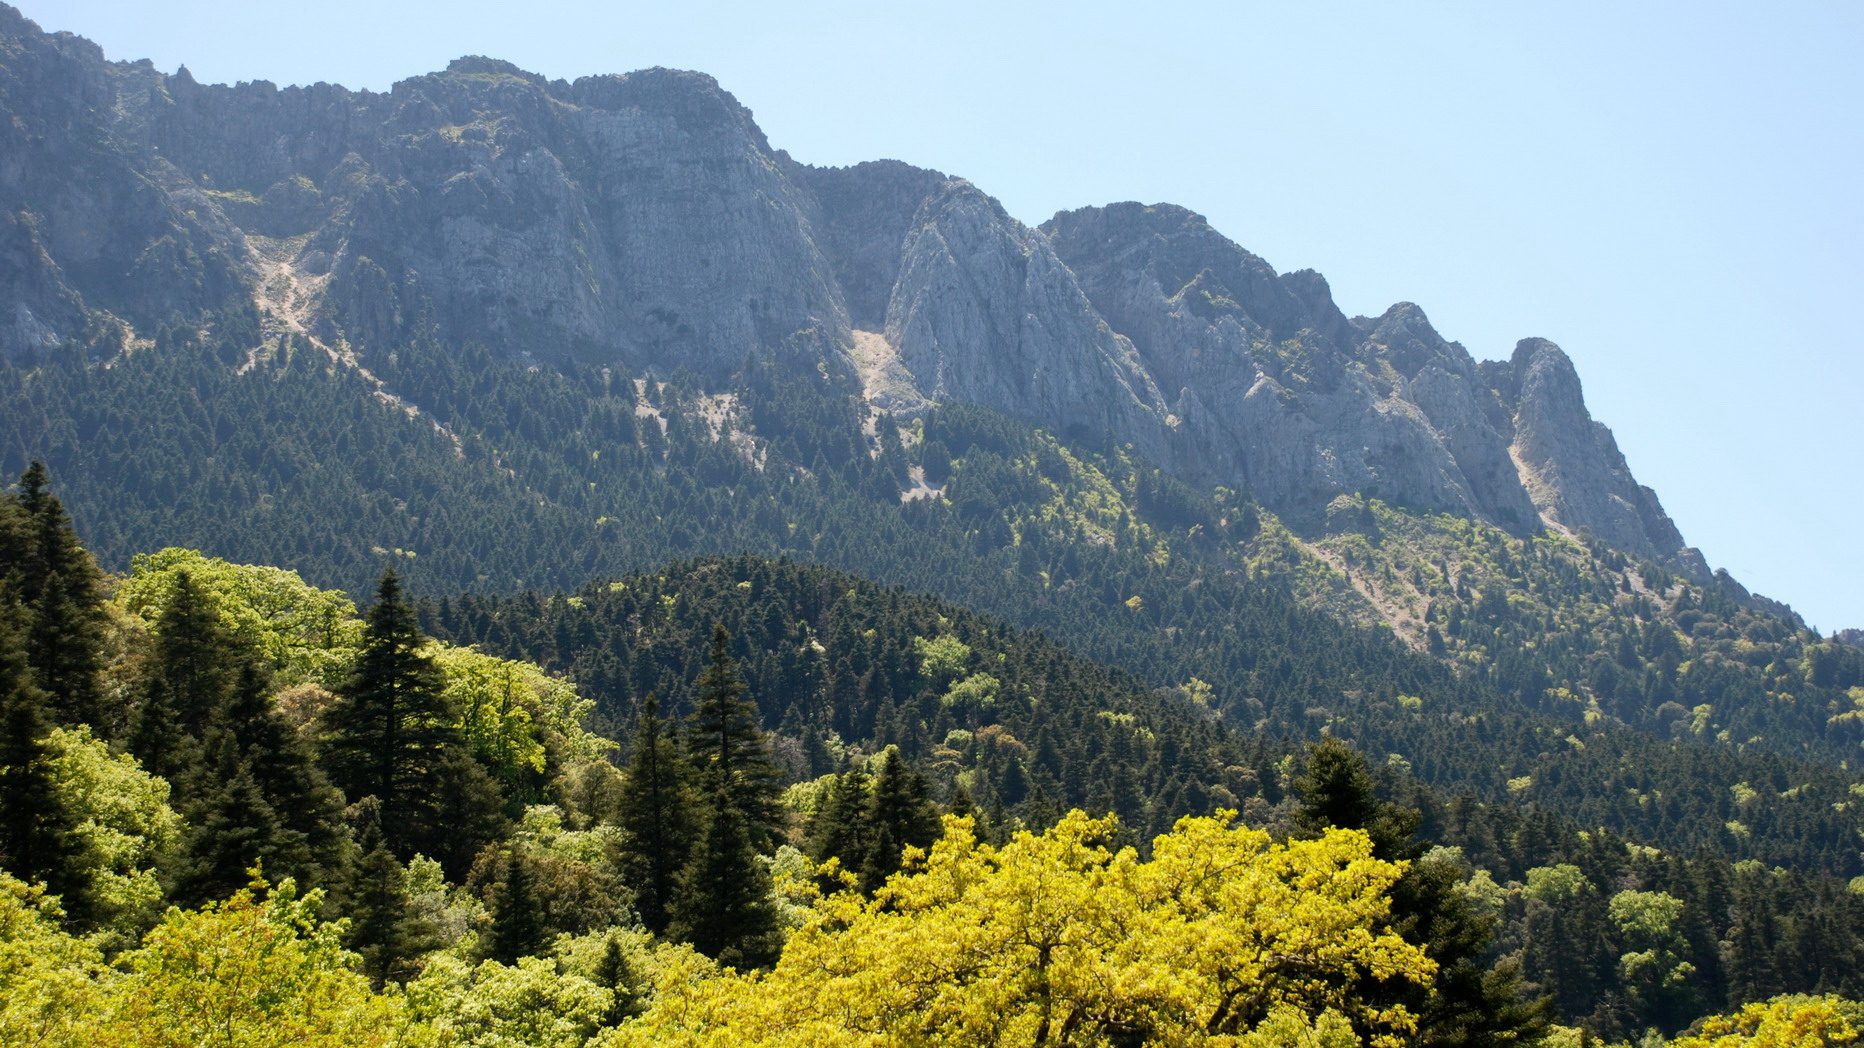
(861, 218)
(1572, 466)
(985, 313)
(641, 220)
(644, 223)
(1276, 387)
(83, 226)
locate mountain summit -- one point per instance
(643, 223)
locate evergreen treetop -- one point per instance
(390, 734)
(729, 748)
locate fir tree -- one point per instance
(1337, 790)
(729, 748)
(231, 829)
(518, 927)
(34, 835)
(1472, 1004)
(389, 734)
(281, 765)
(196, 658)
(467, 811)
(723, 907)
(63, 593)
(901, 816)
(656, 814)
(615, 974)
(383, 929)
(190, 682)
(843, 826)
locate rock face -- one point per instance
(1571, 463)
(985, 313)
(643, 222)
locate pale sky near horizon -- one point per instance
(1670, 191)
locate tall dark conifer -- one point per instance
(518, 925)
(230, 829)
(729, 748)
(383, 929)
(390, 734)
(34, 831)
(723, 906)
(189, 684)
(281, 765)
(657, 816)
(1470, 1003)
(196, 657)
(843, 827)
(901, 816)
(63, 593)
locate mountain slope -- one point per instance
(609, 318)
(643, 224)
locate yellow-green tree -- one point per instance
(1784, 1022)
(508, 709)
(122, 830)
(256, 971)
(1224, 937)
(50, 982)
(304, 633)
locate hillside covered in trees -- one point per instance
(770, 804)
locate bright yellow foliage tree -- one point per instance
(1224, 937)
(250, 972)
(1784, 1022)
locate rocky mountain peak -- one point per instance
(470, 65)
(643, 221)
(1571, 464)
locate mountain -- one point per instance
(332, 328)
(643, 224)
(1104, 512)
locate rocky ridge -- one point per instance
(644, 223)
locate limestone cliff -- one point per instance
(643, 223)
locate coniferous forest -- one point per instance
(745, 800)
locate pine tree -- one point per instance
(34, 831)
(389, 734)
(63, 593)
(843, 827)
(190, 682)
(518, 928)
(901, 816)
(657, 816)
(723, 907)
(383, 929)
(1471, 1004)
(615, 974)
(196, 658)
(231, 829)
(467, 812)
(1337, 790)
(281, 765)
(731, 753)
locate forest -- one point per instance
(750, 801)
(1543, 668)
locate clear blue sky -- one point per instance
(1672, 192)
